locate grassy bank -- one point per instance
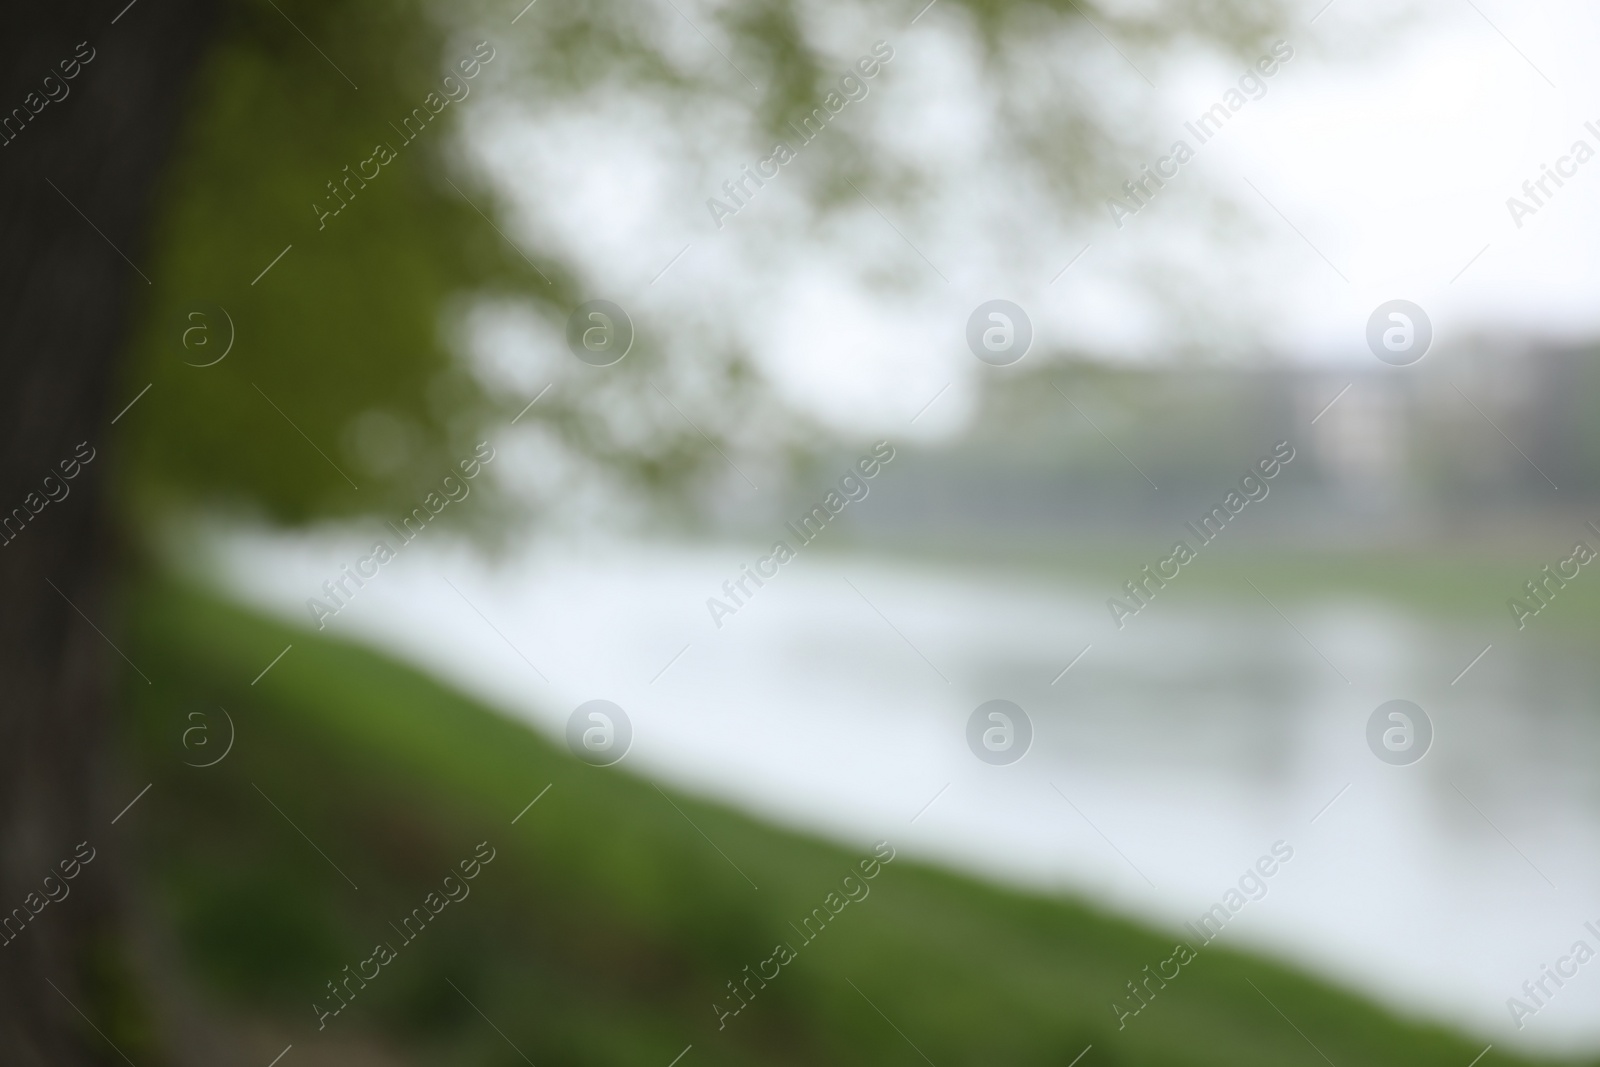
(608, 922)
(1460, 586)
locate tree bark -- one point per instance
(77, 178)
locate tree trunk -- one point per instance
(76, 187)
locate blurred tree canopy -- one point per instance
(347, 321)
(340, 344)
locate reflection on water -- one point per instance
(1165, 761)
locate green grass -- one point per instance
(1461, 585)
(607, 924)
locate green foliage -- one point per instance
(345, 392)
(606, 925)
(348, 321)
(341, 372)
